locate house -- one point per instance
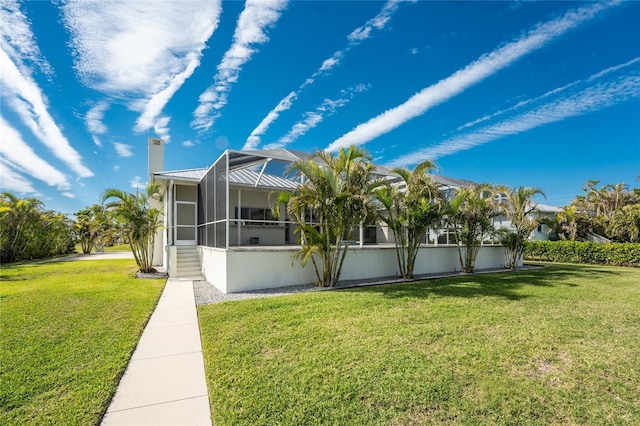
(543, 212)
(218, 225)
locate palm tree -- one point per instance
(91, 225)
(20, 220)
(568, 223)
(410, 209)
(58, 233)
(337, 190)
(625, 225)
(138, 221)
(521, 209)
(469, 215)
(598, 207)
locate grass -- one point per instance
(68, 330)
(119, 247)
(557, 345)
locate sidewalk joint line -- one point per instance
(166, 356)
(158, 403)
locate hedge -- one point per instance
(619, 254)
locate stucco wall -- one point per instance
(240, 270)
(157, 256)
(214, 266)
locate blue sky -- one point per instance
(540, 94)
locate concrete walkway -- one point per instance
(164, 383)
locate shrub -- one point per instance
(618, 254)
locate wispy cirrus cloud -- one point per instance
(21, 157)
(139, 53)
(588, 100)
(361, 33)
(14, 181)
(136, 183)
(123, 150)
(18, 55)
(313, 118)
(549, 93)
(155, 105)
(378, 22)
(485, 66)
(18, 40)
(251, 30)
(94, 121)
(254, 138)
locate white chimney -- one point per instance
(156, 156)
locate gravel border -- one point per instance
(206, 294)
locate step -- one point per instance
(192, 275)
(187, 263)
(192, 262)
(187, 256)
(185, 266)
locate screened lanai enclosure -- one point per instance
(235, 199)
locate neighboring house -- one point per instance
(542, 232)
(218, 225)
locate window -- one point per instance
(256, 216)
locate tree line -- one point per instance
(28, 231)
(611, 211)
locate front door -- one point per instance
(185, 223)
(185, 209)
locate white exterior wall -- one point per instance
(239, 270)
(159, 239)
(384, 234)
(273, 235)
(504, 222)
(171, 260)
(248, 198)
(155, 163)
(214, 266)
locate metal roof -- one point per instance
(241, 172)
(245, 177)
(544, 208)
(451, 182)
(255, 179)
(191, 174)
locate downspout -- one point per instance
(239, 215)
(169, 220)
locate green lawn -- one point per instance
(119, 247)
(68, 330)
(557, 345)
